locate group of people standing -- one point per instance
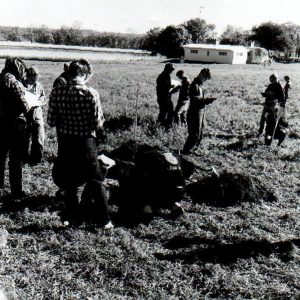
(190, 109)
(74, 110)
(76, 113)
(190, 106)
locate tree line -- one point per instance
(271, 36)
(72, 36)
(166, 41)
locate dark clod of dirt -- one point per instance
(229, 189)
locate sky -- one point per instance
(138, 16)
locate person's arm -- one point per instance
(18, 90)
(41, 93)
(52, 111)
(97, 118)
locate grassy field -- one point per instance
(252, 257)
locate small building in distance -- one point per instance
(222, 54)
(257, 55)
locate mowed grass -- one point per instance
(166, 259)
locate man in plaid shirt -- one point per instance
(75, 111)
(13, 108)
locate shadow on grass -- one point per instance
(216, 252)
(34, 203)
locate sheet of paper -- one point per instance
(33, 100)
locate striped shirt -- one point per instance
(75, 110)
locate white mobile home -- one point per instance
(222, 54)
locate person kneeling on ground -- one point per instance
(75, 110)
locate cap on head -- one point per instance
(32, 72)
(79, 67)
(169, 67)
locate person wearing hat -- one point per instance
(274, 96)
(13, 107)
(196, 113)
(35, 121)
(164, 96)
(75, 110)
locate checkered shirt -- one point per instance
(75, 110)
(12, 98)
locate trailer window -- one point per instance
(222, 53)
(194, 51)
(207, 53)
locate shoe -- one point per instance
(109, 225)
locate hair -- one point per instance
(179, 73)
(205, 72)
(274, 76)
(287, 78)
(32, 72)
(15, 66)
(78, 67)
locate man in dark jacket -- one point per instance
(274, 96)
(183, 99)
(196, 113)
(164, 96)
(13, 108)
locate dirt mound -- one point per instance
(129, 150)
(229, 189)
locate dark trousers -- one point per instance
(36, 133)
(195, 121)
(12, 146)
(166, 111)
(76, 165)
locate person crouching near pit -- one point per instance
(75, 110)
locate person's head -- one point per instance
(273, 78)
(180, 74)
(80, 69)
(204, 75)
(32, 75)
(169, 68)
(286, 78)
(16, 67)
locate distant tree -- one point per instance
(199, 30)
(150, 41)
(171, 39)
(43, 35)
(234, 36)
(271, 36)
(13, 34)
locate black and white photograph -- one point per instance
(149, 150)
